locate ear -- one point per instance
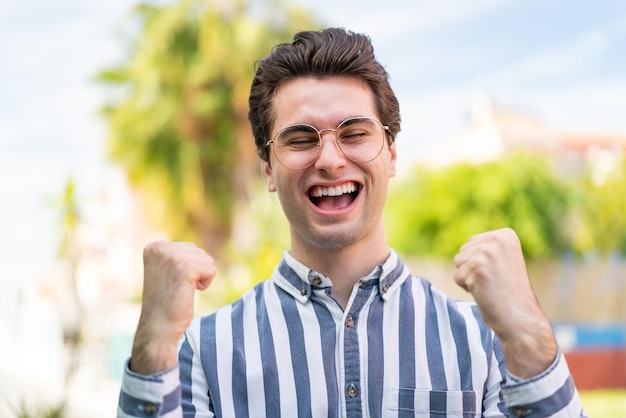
(267, 172)
(393, 156)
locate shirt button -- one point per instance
(149, 409)
(303, 291)
(352, 391)
(385, 288)
(317, 280)
(350, 322)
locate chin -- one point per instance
(332, 238)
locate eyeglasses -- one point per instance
(298, 146)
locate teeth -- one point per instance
(319, 191)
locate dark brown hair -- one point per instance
(325, 53)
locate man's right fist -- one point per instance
(173, 271)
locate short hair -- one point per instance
(324, 53)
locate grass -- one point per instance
(49, 412)
(609, 403)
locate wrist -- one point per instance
(529, 353)
(152, 354)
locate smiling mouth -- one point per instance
(337, 197)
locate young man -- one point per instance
(341, 328)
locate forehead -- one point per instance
(322, 102)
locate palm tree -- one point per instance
(181, 130)
(66, 204)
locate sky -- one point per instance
(562, 61)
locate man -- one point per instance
(341, 328)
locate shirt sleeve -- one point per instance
(156, 395)
(551, 393)
(178, 392)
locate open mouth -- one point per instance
(333, 198)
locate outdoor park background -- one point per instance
(116, 130)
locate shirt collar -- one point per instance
(298, 280)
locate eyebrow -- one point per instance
(297, 128)
(306, 124)
(355, 119)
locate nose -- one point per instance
(330, 157)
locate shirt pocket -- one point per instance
(429, 403)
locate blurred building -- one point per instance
(493, 132)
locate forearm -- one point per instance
(529, 352)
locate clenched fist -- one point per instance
(173, 271)
(491, 267)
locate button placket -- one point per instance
(352, 363)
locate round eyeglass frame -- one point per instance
(320, 132)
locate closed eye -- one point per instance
(353, 137)
(297, 137)
(301, 143)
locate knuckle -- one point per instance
(507, 234)
(156, 250)
(151, 248)
(157, 245)
(478, 263)
(474, 263)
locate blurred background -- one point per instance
(124, 122)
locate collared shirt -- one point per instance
(400, 348)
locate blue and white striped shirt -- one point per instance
(401, 348)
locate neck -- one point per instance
(344, 266)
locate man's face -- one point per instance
(354, 214)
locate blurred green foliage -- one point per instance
(433, 212)
(179, 122)
(599, 212)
